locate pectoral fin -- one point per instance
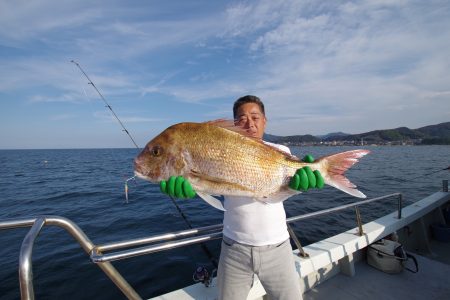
(279, 196)
(214, 202)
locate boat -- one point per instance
(333, 268)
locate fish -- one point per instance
(219, 158)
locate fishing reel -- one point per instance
(202, 275)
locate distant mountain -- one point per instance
(290, 139)
(332, 134)
(271, 138)
(377, 136)
(433, 134)
(439, 130)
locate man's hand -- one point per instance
(304, 178)
(177, 187)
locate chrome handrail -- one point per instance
(153, 248)
(103, 260)
(341, 207)
(25, 264)
(162, 237)
(25, 260)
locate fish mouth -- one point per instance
(142, 176)
(142, 172)
(139, 170)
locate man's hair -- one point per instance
(247, 99)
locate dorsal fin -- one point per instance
(229, 125)
(288, 155)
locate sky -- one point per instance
(319, 67)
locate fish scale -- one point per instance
(219, 159)
(238, 159)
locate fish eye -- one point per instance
(156, 151)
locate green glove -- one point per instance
(177, 187)
(305, 178)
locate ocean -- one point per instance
(87, 187)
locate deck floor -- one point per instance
(432, 282)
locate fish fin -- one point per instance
(224, 123)
(337, 164)
(287, 155)
(229, 125)
(214, 202)
(279, 196)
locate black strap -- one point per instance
(415, 263)
(402, 259)
(388, 254)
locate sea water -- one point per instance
(87, 187)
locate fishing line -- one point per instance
(203, 246)
(434, 172)
(107, 104)
(113, 155)
(115, 116)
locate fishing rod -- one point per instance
(203, 246)
(115, 116)
(107, 104)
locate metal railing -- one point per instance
(158, 243)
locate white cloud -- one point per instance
(319, 66)
(360, 65)
(21, 20)
(70, 98)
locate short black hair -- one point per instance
(247, 99)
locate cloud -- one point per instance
(69, 98)
(353, 64)
(319, 66)
(24, 20)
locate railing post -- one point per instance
(301, 252)
(25, 261)
(445, 186)
(358, 221)
(400, 205)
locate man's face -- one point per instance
(250, 117)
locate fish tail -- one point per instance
(336, 165)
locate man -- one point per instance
(255, 236)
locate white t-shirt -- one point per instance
(254, 222)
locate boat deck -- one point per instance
(432, 282)
(336, 267)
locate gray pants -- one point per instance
(274, 265)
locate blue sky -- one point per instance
(319, 66)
